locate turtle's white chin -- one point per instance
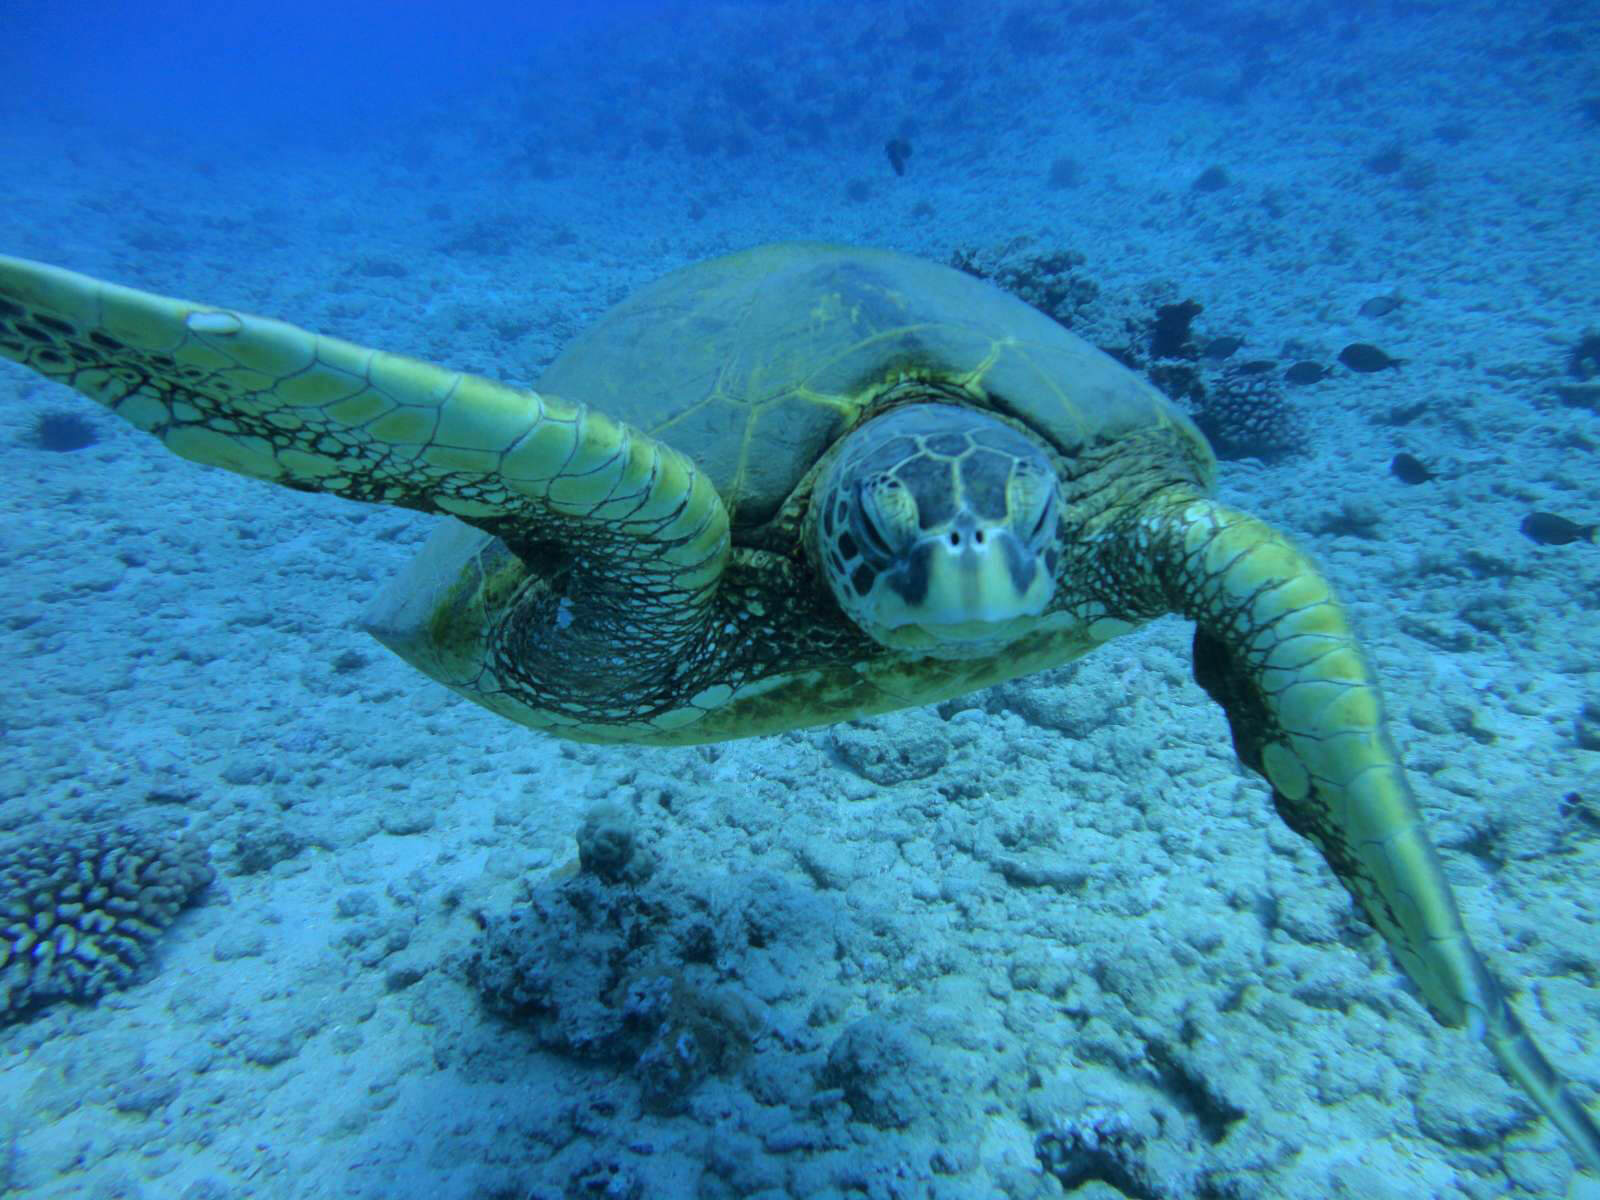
(966, 639)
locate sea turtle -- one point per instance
(791, 486)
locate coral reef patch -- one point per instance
(81, 907)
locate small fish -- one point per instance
(1220, 348)
(1550, 530)
(1381, 306)
(1256, 366)
(898, 150)
(1305, 372)
(1359, 356)
(1410, 469)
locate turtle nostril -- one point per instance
(978, 537)
(955, 537)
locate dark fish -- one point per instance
(1305, 372)
(1550, 530)
(1256, 366)
(1359, 356)
(1218, 349)
(898, 150)
(1409, 469)
(1381, 306)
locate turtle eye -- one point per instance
(872, 536)
(1030, 489)
(866, 527)
(1047, 519)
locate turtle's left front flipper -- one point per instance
(1273, 647)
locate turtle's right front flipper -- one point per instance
(616, 541)
(269, 400)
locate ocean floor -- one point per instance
(1049, 939)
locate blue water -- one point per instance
(1047, 940)
(269, 70)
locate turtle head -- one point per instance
(937, 530)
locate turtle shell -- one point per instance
(755, 363)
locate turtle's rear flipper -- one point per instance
(1274, 649)
(269, 400)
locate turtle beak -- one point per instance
(969, 576)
